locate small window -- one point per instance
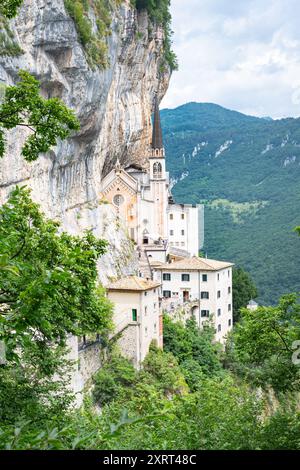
(219, 328)
(204, 277)
(145, 293)
(204, 313)
(229, 322)
(218, 277)
(182, 244)
(229, 307)
(171, 216)
(146, 310)
(204, 295)
(228, 273)
(134, 314)
(155, 327)
(219, 312)
(171, 232)
(229, 290)
(219, 294)
(185, 277)
(182, 232)
(167, 294)
(166, 277)
(146, 331)
(182, 216)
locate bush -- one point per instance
(188, 342)
(112, 378)
(164, 368)
(93, 42)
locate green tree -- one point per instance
(243, 290)
(221, 415)
(194, 348)
(47, 119)
(281, 430)
(9, 8)
(117, 373)
(50, 292)
(261, 346)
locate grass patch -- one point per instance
(238, 210)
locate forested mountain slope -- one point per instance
(247, 171)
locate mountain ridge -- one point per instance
(247, 171)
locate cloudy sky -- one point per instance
(241, 54)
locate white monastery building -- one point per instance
(171, 276)
(137, 315)
(203, 286)
(168, 237)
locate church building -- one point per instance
(143, 201)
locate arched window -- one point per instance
(157, 170)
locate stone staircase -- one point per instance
(144, 265)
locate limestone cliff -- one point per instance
(114, 107)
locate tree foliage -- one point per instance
(148, 410)
(195, 349)
(48, 290)
(118, 372)
(261, 347)
(243, 290)
(92, 35)
(46, 119)
(9, 8)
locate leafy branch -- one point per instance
(47, 119)
(9, 8)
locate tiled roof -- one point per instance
(195, 264)
(133, 283)
(154, 262)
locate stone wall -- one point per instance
(90, 360)
(129, 343)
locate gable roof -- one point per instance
(195, 264)
(133, 283)
(116, 177)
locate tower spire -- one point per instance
(157, 139)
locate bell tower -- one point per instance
(158, 177)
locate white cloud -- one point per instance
(244, 55)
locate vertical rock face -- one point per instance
(114, 107)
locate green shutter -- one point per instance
(134, 314)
